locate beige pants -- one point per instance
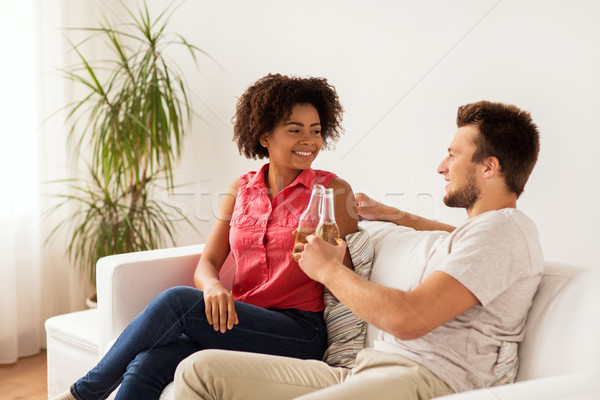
(220, 374)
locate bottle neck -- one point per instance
(313, 210)
(327, 208)
(314, 204)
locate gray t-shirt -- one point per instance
(498, 257)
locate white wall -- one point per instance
(401, 69)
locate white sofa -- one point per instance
(559, 358)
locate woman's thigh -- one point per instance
(292, 333)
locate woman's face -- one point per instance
(295, 143)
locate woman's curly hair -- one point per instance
(270, 100)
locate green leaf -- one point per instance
(132, 117)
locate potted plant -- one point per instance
(131, 122)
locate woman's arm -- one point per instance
(344, 211)
(218, 301)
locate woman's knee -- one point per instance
(183, 295)
(177, 292)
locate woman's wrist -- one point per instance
(209, 283)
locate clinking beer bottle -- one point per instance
(327, 228)
(309, 220)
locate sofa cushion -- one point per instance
(72, 348)
(507, 366)
(563, 325)
(400, 257)
(583, 385)
(345, 331)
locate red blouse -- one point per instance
(261, 241)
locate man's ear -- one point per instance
(491, 167)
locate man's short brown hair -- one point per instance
(507, 133)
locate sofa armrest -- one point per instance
(126, 283)
(574, 386)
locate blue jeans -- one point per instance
(173, 326)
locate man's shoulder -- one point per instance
(509, 232)
(509, 219)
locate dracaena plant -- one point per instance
(131, 123)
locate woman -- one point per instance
(274, 308)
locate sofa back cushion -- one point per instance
(563, 326)
(400, 256)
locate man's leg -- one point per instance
(379, 375)
(219, 374)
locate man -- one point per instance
(444, 335)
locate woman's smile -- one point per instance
(304, 154)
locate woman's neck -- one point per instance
(277, 179)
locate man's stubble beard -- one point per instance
(465, 196)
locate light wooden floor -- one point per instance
(24, 380)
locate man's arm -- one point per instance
(406, 315)
(373, 210)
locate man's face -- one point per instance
(459, 170)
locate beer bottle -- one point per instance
(309, 219)
(327, 228)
